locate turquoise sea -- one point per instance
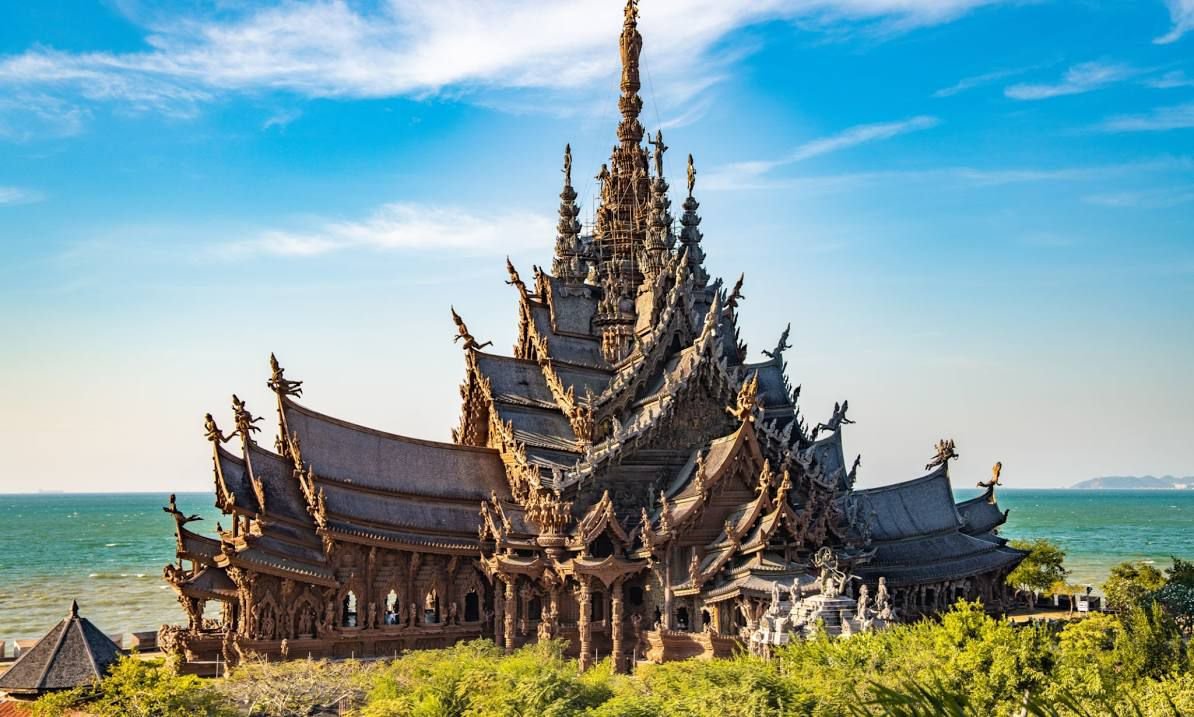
(107, 550)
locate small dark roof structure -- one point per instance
(72, 654)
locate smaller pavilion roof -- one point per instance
(75, 652)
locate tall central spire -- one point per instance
(630, 131)
(622, 217)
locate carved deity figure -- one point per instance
(736, 294)
(946, 451)
(995, 471)
(245, 421)
(863, 608)
(795, 595)
(172, 508)
(278, 383)
(462, 334)
(691, 175)
(413, 613)
(782, 345)
(515, 280)
(213, 432)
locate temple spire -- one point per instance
(568, 263)
(690, 235)
(623, 215)
(630, 131)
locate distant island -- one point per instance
(1136, 483)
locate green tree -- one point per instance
(1040, 570)
(1130, 584)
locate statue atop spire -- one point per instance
(690, 235)
(631, 45)
(569, 264)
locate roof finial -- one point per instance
(691, 176)
(74, 608)
(631, 45)
(569, 261)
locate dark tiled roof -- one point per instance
(283, 497)
(912, 508)
(380, 461)
(573, 310)
(571, 349)
(980, 514)
(235, 476)
(515, 380)
(545, 428)
(73, 653)
(773, 388)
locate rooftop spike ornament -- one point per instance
(690, 235)
(570, 262)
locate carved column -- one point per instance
(615, 625)
(583, 629)
(499, 611)
(666, 619)
(509, 614)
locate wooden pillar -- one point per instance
(509, 616)
(615, 625)
(583, 628)
(499, 611)
(666, 621)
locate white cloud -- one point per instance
(333, 48)
(1164, 198)
(1084, 77)
(969, 83)
(19, 195)
(1170, 80)
(1182, 14)
(1159, 120)
(403, 226)
(735, 176)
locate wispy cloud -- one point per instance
(1158, 120)
(19, 195)
(736, 175)
(1081, 78)
(1162, 198)
(334, 48)
(980, 177)
(405, 227)
(281, 119)
(1170, 80)
(1182, 14)
(969, 83)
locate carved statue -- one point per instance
(694, 569)
(213, 431)
(795, 594)
(462, 334)
(736, 295)
(602, 177)
(774, 608)
(946, 451)
(414, 613)
(278, 383)
(514, 278)
(567, 164)
(452, 613)
(783, 344)
(371, 616)
(691, 175)
(748, 399)
(863, 608)
(660, 148)
(837, 420)
(881, 597)
(245, 421)
(172, 509)
(995, 471)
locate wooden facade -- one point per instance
(626, 480)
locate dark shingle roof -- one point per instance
(74, 653)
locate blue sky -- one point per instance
(979, 216)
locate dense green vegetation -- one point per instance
(1041, 571)
(969, 663)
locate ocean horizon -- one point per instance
(107, 550)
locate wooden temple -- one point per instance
(626, 480)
